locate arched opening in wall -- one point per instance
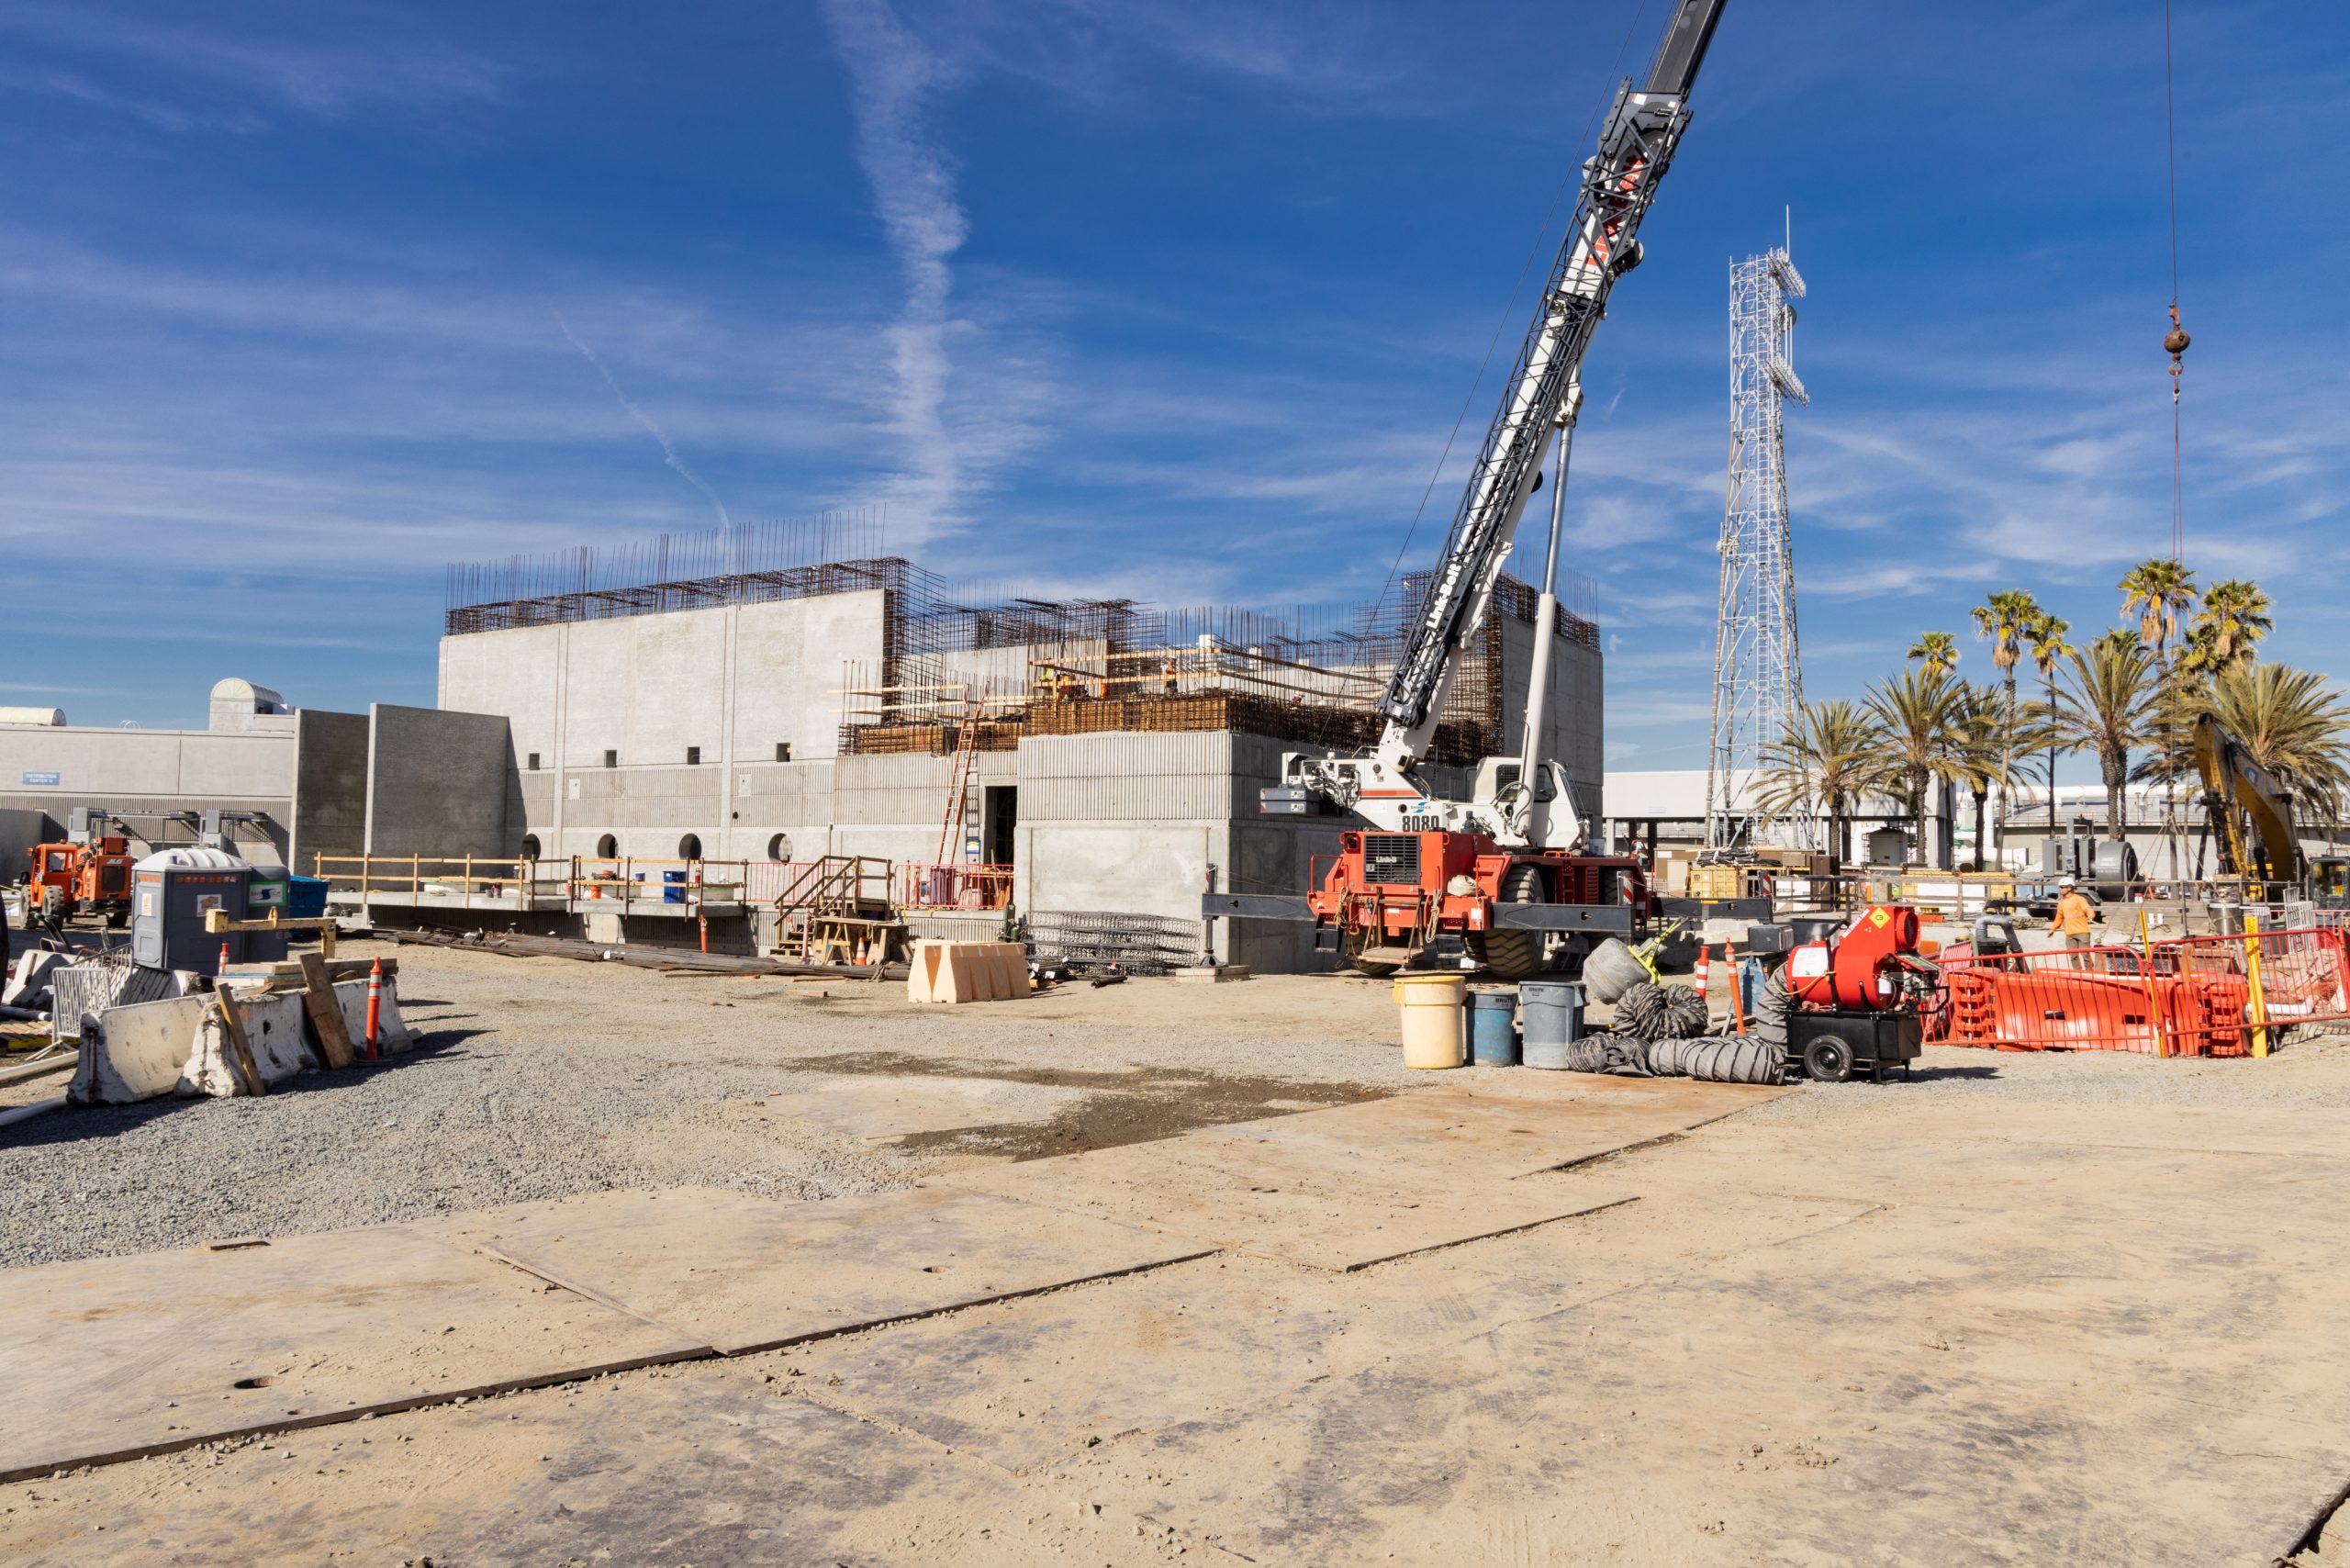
(530, 847)
(780, 846)
(690, 847)
(607, 848)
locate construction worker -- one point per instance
(1168, 678)
(2075, 916)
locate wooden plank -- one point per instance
(240, 1055)
(747, 1273)
(325, 1017)
(114, 1357)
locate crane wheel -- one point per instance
(1512, 955)
(1355, 943)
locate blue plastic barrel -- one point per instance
(1493, 1028)
(1554, 1020)
(305, 898)
(672, 887)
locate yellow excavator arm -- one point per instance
(2251, 811)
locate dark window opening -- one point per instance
(535, 762)
(611, 759)
(780, 846)
(783, 751)
(531, 840)
(693, 756)
(607, 847)
(690, 847)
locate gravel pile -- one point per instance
(542, 1077)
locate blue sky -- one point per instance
(1172, 299)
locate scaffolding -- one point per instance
(1758, 671)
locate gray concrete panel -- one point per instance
(330, 806)
(437, 782)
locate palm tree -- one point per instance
(2294, 725)
(1918, 715)
(2156, 591)
(2049, 650)
(1822, 761)
(1935, 651)
(2106, 707)
(2006, 618)
(2229, 626)
(1978, 754)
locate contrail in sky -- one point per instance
(669, 450)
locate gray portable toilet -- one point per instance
(171, 892)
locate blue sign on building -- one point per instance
(40, 778)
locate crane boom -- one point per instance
(1619, 184)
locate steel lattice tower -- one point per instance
(1758, 673)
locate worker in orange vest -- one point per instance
(2075, 916)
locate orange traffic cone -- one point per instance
(1705, 967)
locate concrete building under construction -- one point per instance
(777, 696)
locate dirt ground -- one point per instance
(2021, 1309)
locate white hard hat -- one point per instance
(2065, 883)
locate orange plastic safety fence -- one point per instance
(2190, 996)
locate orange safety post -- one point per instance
(375, 1005)
(2258, 1011)
(1736, 1002)
(2146, 974)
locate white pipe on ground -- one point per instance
(26, 1112)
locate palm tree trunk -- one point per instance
(2116, 773)
(2006, 756)
(2052, 756)
(1982, 830)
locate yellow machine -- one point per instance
(2251, 819)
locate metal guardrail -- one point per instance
(469, 881)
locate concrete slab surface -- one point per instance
(698, 1465)
(747, 1273)
(1350, 1186)
(888, 1107)
(1032, 1385)
(117, 1357)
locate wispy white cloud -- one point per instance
(953, 441)
(298, 65)
(668, 448)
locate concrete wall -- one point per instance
(438, 782)
(152, 770)
(329, 788)
(733, 681)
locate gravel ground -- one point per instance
(540, 1078)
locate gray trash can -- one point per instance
(1552, 1010)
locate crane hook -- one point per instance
(2175, 341)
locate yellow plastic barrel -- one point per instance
(1432, 1036)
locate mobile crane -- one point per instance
(1506, 867)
